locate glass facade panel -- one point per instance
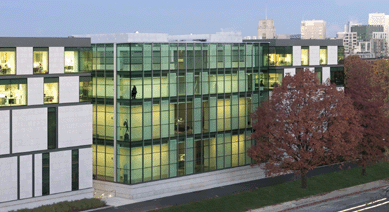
(7, 61)
(13, 92)
(78, 60)
(51, 90)
(323, 55)
(337, 75)
(340, 54)
(304, 55)
(86, 89)
(41, 61)
(280, 56)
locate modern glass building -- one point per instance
(166, 107)
(164, 110)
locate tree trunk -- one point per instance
(364, 170)
(303, 180)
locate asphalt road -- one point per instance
(220, 191)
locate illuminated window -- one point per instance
(13, 92)
(280, 56)
(78, 60)
(51, 90)
(41, 61)
(85, 89)
(323, 55)
(7, 61)
(304, 55)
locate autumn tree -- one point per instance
(303, 125)
(369, 96)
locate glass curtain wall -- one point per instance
(182, 108)
(103, 111)
(78, 60)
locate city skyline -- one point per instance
(65, 18)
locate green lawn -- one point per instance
(77, 205)
(287, 191)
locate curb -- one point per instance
(101, 208)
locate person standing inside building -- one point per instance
(134, 92)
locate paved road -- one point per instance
(367, 201)
(220, 191)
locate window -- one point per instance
(304, 55)
(7, 61)
(75, 170)
(337, 75)
(52, 128)
(340, 54)
(45, 174)
(51, 90)
(271, 79)
(85, 89)
(13, 92)
(318, 72)
(78, 60)
(280, 56)
(323, 55)
(41, 61)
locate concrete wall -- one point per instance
(25, 170)
(56, 60)
(8, 179)
(35, 91)
(29, 130)
(74, 125)
(60, 171)
(24, 62)
(4, 132)
(69, 89)
(332, 52)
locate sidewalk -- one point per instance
(320, 198)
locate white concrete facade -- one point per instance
(36, 154)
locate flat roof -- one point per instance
(298, 42)
(44, 42)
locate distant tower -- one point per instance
(313, 29)
(266, 29)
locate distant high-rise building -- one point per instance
(266, 29)
(313, 29)
(380, 19)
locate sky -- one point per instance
(58, 18)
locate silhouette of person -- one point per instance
(126, 124)
(134, 92)
(261, 84)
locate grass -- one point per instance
(66, 206)
(286, 191)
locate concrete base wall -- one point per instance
(46, 200)
(178, 185)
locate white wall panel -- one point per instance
(60, 171)
(24, 60)
(314, 55)
(25, 170)
(38, 175)
(332, 52)
(85, 168)
(74, 125)
(4, 132)
(29, 130)
(56, 60)
(8, 179)
(296, 55)
(69, 89)
(326, 73)
(291, 71)
(35, 91)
